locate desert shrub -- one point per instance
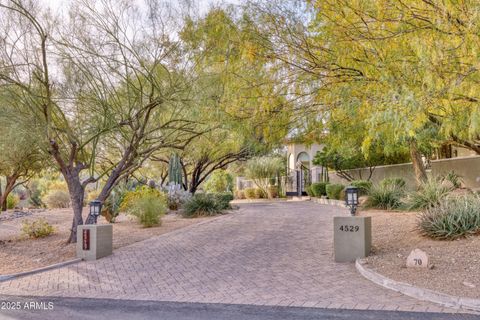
(452, 218)
(148, 209)
(35, 192)
(239, 194)
(430, 193)
(201, 204)
(57, 199)
(260, 193)
(219, 181)
(272, 192)
(12, 201)
(57, 185)
(386, 197)
(130, 197)
(393, 182)
(111, 206)
(319, 189)
(223, 200)
(37, 229)
(334, 190)
(454, 178)
(21, 192)
(262, 170)
(309, 191)
(363, 186)
(250, 193)
(177, 196)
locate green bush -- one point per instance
(148, 209)
(37, 229)
(452, 218)
(454, 178)
(12, 201)
(130, 197)
(35, 194)
(111, 206)
(385, 197)
(272, 192)
(57, 199)
(363, 186)
(219, 181)
(223, 200)
(319, 189)
(309, 191)
(263, 170)
(201, 204)
(334, 190)
(260, 194)
(393, 182)
(239, 194)
(250, 193)
(430, 193)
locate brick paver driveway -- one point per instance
(266, 253)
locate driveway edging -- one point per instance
(329, 202)
(12, 276)
(416, 292)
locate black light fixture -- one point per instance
(95, 209)
(351, 198)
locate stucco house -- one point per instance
(303, 153)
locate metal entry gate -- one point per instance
(297, 182)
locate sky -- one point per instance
(203, 4)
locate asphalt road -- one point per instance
(75, 308)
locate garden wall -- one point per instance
(467, 167)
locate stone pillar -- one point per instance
(352, 238)
(94, 241)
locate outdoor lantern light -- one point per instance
(95, 209)
(351, 198)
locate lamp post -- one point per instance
(95, 210)
(351, 199)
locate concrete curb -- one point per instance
(12, 276)
(330, 202)
(418, 293)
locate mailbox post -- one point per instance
(352, 235)
(94, 241)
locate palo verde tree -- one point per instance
(22, 156)
(107, 87)
(405, 70)
(240, 103)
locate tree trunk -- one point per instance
(11, 180)
(418, 167)
(77, 193)
(112, 181)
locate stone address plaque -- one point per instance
(352, 237)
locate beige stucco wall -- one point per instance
(467, 167)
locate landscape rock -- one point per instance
(417, 259)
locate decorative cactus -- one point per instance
(175, 170)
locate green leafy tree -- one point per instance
(21, 155)
(219, 181)
(263, 170)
